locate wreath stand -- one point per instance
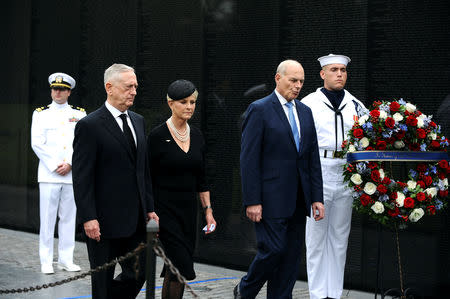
(401, 293)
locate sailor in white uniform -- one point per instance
(52, 132)
(334, 110)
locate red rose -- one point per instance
(443, 193)
(372, 165)
(421, 133)
(408, 203)
(369, 148)
(375, 176)
(381, 145)
(400, 134)
(428, 180)
(431, 210)
(393, 195)
(421, 196)
(389, 122)
(421, 184)
(393, 213)
(391, 140)
(422, 167)
(432, 124)
(401, 184)
(365, 199)
(386, 180)
(443, 164)
(382, 189)
(435, 144)
(358, 133)
(411, 121)
(441, 175)
(394, 106)
(415, 147)
(375, 114)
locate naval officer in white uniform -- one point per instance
(52, 132)
(334, 110)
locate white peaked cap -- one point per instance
(332, 58)
(61, 80)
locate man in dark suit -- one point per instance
(281, 183)
(112, 185)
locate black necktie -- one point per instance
(128, 134)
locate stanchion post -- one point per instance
(152, 230)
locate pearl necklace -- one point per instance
(183, 137)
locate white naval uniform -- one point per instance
(52, 132)
(326, 240)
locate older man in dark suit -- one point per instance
(112, 183)
(281, 182)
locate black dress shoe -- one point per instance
(236, 292)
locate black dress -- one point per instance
(177, 176)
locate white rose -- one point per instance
(378, 207)
(383, 114)
(443, 184)
(399, 144)
(420, 123)
(364, 142)
(370, 188)
(381, 171)
(431, 191)
(356, 179)
(411, 185)
(400, 199)
(432, 136)
(351, 148)
(397, 117)
(416, 214)
(362, 120)
(410, 107)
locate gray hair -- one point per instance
(114, 70)
(281, 69)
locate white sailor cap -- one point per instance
(61, 80)
(332, 58)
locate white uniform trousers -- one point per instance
(57, 199)
(326, 240)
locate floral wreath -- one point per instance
(396, 126)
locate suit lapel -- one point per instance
(138, 130)
(284, 121)
(113, 128)
(303, 126)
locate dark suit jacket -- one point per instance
(110, 184)
(271, 167)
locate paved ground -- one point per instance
(20, 268)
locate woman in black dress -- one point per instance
(177, 165)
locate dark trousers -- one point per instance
(277, 261)
(124, 286)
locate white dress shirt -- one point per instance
(283, 102)
(116, 114)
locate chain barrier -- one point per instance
(135, 253)
(160, 252)
(103, 267)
